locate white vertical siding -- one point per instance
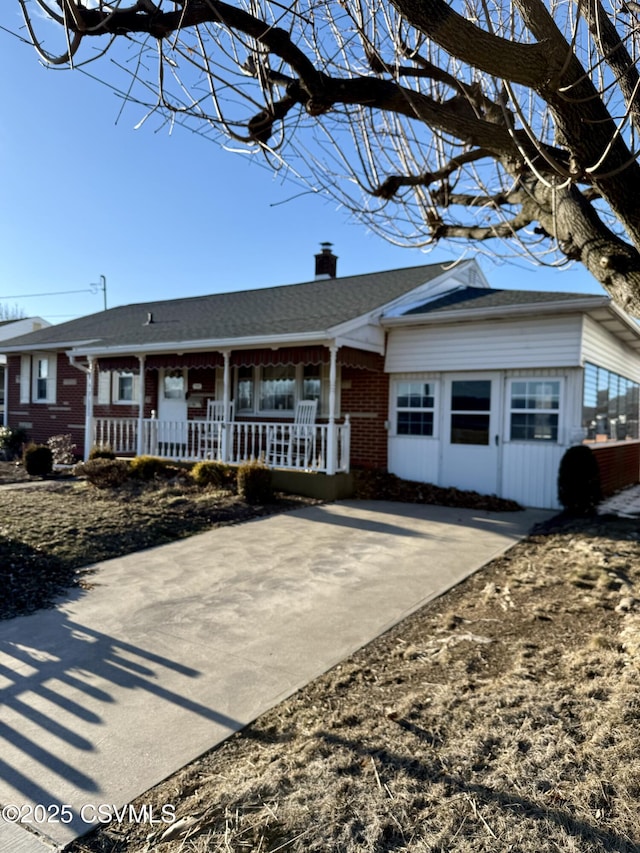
(530, 472)
(601, 347)
(415, 458)
(486, 345)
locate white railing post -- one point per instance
(226, 394)
(331, 431)
(139, 437)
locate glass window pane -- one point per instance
(415, 423)
(125, 386)
(277, 388)
(534, 427)
(173, 386)
(311, 382)
(469, 429)
(245, 389)
(471, 396)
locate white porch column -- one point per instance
(226, 399)
(88, 409)
(140, 436)
(331, 428)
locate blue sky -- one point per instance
(159, 215)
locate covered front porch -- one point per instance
(322, 448)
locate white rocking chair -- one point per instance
(292, 445)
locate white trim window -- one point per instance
(38, 374)
(118, 387)
(275, 389)
(534, 412)
(415, 407)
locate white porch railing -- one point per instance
(279, 445)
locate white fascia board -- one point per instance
(502, 313)
(630, 323)
(321, 338)
(59, 345)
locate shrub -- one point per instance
(62, 448)
(579, 489)
(104, 473)
(215, 474)
(148, 468)
(254, 483)
(38, 460)
(101, 451)
(12, 440)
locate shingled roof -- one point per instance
(315, 306)
(467, 298)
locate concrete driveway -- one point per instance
(179, 646)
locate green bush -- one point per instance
(579, 489)
(38, 460)
(214, 474)
(101, 451)
(104, 473)
(148, 468)
(254, 483)
(12, 441)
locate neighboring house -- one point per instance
(11, 329)
(426, 371)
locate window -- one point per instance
(124, 392)
(535, 406)
(414, 408)
(38, 379)
(470, 400)
(609, 406)
(117, 387)
(311, 382)
(278, 388)
(244, 396)
(173, 385)
(42, 377)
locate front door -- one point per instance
(470, 433)
(172, 412)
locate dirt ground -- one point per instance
(502, 717)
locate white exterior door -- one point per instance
(471, 440)
(172, 429)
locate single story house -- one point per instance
(425, 371)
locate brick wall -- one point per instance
(365, 398)
(42, 420)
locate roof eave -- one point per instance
(496, 313)
(323, 337)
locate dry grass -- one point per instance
(502, 717)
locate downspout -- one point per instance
(226, 397)
(88, 408)
(140, 444)
(331, 428)
(5, 414)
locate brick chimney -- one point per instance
(326, 262)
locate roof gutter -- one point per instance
(319, 338)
